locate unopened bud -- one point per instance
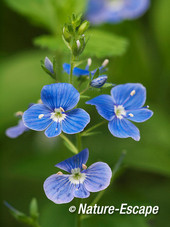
(89, 61)
(78, 43)
(66, 35)
(83, 27)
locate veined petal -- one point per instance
(123, 128)
(37, 117)
(131, 95)
(75, 121)
(139, 115)
(53, 130)
(74, 162)
(17, 130)
(60, 95)
(98, 177)
(81, 191)
(76, 71)
(104, 105)
(59, 189)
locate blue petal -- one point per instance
(139, 115)
(60, 95)
(48, 64)
(76, 71)
(123, 128)
(98, 177)
(17, 130)
(74, 162)
(135, 8)
(121, 95)
(75, 121)
(53, 130)
(104, 105)
(98, 82)
(59, 189)
(81, 192)
(32, 120)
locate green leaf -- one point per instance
(49, 14)
(104, 44)
(53, 43)
(107, 85)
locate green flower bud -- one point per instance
(66, 35)
(83, 27)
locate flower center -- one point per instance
(116, 4)
(119, 111)
(58, 115)
(77, 177)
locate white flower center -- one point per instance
(119, 111)
(116, 4)
(58, 115)
(77, 177)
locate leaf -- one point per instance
(49, 14)
(53, 43)
(104, 44)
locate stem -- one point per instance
(84, 90)
(79, 143)
(114, 171)
(69, 143)
(92, 128)
(71, 68)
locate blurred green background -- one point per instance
(143, 56)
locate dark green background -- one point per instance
(27, 161)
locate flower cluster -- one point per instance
(115, 11)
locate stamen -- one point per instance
(133, 93)
(84, 166)
(41, 116)
(39, 101)
(59, 173)
(19, 113)
(62, 109)
(106, 61)
(131, 115)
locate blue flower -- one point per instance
(55, 114)
(17, 130)
(115, 11)
(84, 72)
(125, 103)
(62, 188)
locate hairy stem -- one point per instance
(92, 128)
(71, 68)
(69, 144)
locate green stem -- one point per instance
(114, 172)
(69, 143)
(92, 128)
(82, 92)
(71, 68)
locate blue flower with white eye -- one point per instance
(56, 113)
(15, 131)
(115, 11)
(85, 72)
(62, 188)
(125, 103)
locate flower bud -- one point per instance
(98, 82)
(83, 27)
(66, 35)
